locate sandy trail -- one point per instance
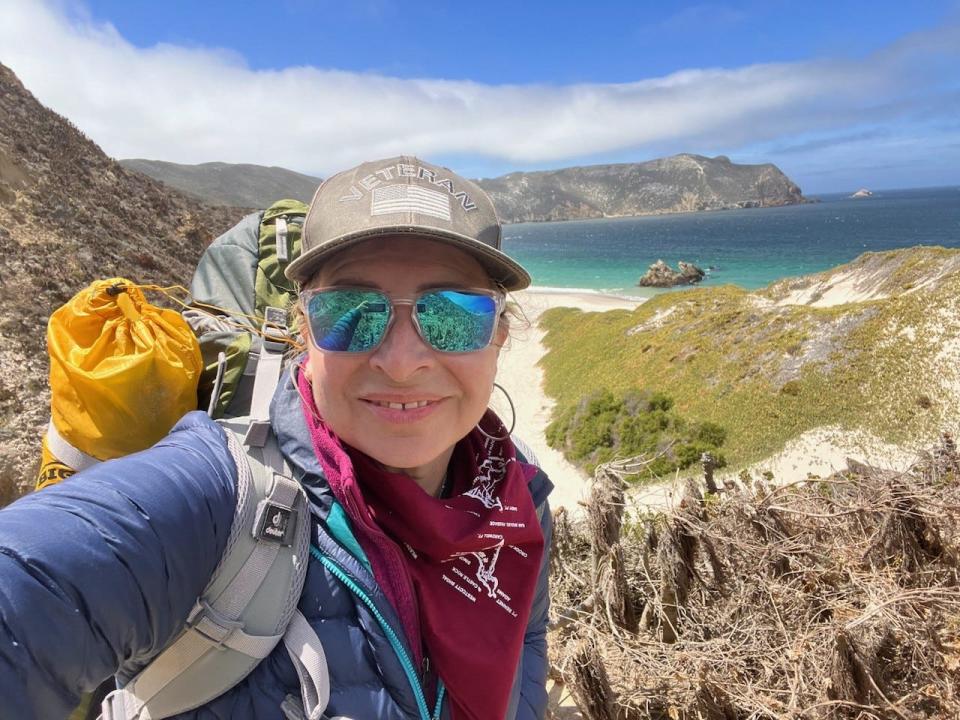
(522, 377)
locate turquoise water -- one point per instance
(750, 248)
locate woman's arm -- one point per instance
(100, 571)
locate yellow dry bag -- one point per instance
(122, 372)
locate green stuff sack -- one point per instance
(241, 272)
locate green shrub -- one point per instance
(710, 433)
(603, 426)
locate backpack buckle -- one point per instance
(274, 329)
(211, 624)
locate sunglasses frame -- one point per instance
(498, 297)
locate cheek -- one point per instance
(328, 375)
(476, 375)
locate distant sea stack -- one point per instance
(662, 275)
(681, 183)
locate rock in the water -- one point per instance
(690, 273)
(662, 275)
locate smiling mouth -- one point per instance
(402, 406)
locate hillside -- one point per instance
(871, 346)
(70, 214)
(681, 183)
(235, 185)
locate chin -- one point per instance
(406, 457)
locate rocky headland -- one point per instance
(681, 183)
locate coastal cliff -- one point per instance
(681, 183)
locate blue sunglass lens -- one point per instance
(348, 320)
(456, 321)
(356, 320)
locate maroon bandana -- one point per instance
(460, 571)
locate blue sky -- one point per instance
(838, 94)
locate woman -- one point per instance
(429, 530)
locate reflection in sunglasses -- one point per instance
(343, 330)
(353, 320)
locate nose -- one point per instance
(403, 353)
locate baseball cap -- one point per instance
(403, 196)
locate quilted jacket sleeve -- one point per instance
(534, 663)
(101, 570)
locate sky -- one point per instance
(840, 95)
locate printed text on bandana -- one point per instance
(474, 574)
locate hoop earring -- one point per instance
(513, 422)
(295, 380)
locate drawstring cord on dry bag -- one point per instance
(232, 318)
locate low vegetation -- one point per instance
(766, 369)
(832, 599)
(602, 427)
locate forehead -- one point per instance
(412, 261)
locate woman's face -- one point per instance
(351, 390)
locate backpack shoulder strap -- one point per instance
(249, 603)
(524, 451)
(525, 454)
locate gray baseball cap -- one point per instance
(403, 196)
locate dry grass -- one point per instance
(833, 598)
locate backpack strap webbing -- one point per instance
(246, 607)
(267, 375)
(310, 662)
(65, 452)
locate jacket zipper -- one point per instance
(391, 634)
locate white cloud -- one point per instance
(195, 105)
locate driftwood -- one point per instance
(617, 598)
(589, 683)
(709, 464)
(826, 599)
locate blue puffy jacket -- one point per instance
(98, 574)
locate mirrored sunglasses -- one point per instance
(356, 320)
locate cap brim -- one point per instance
(504, 271)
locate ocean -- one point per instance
(749, 248)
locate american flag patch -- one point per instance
(410, 198)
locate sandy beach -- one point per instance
(522, 377)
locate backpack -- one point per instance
(240, 277)
(238, 314)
